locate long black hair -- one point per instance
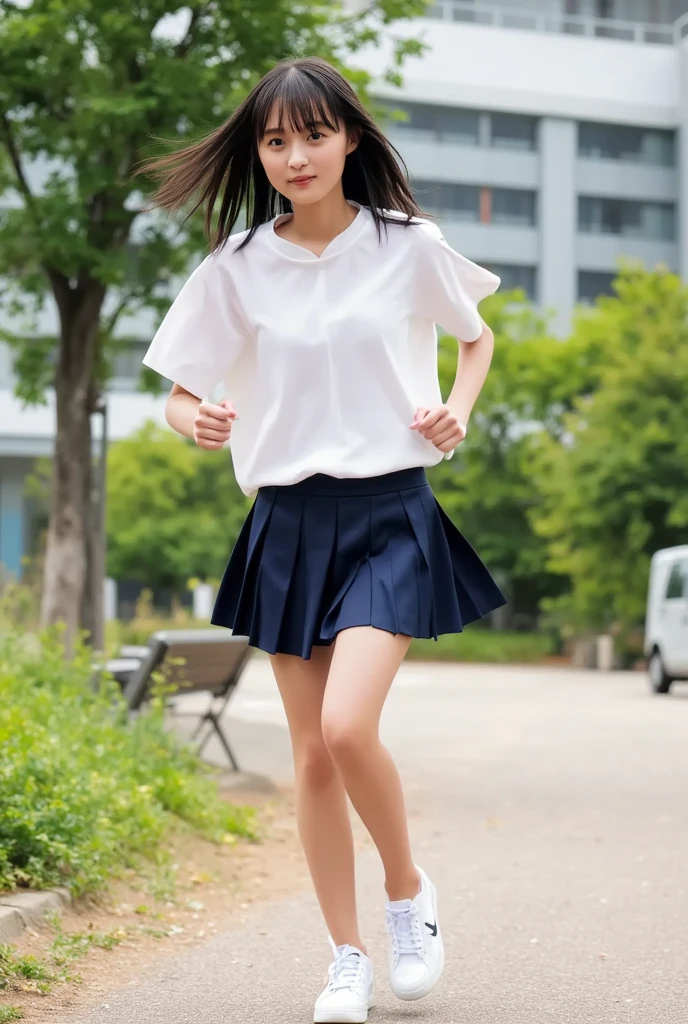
(308, 90)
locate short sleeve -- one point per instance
(448, 286)
(202, 332)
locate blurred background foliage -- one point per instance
(575, 466)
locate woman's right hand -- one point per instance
(213, 424)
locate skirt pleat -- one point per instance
(281, 553)
(320, 527)
(239, 598)
(476, 591)
(328, 554)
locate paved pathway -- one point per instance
(549, 807)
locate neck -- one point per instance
(324, 220)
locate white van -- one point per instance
(666, 622)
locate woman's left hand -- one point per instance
(440, 426)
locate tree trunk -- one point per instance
(90, 605)
(70, 528)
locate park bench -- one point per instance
(214, 662)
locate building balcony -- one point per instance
(604, 252)
(492, 243)
(626, 181)
(550, 16)
(427, 157)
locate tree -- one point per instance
(614, 485)
(85, 89)
(173, 511)
(488, 486)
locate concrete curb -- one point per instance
(22, 910)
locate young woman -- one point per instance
(320, 320)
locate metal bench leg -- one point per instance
(214, 719)
(223, 740)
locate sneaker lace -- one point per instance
(405, 930)
(345, 971)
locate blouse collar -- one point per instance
(338, 244)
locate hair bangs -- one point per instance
(299, 101)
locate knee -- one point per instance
(313, 763)
(345, 740)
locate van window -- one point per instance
(677, 584)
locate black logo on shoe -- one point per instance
(432, 927)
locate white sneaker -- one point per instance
(416, 955)
(350, 990)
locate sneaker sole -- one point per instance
(357, 1016)
(430, 982)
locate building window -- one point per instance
(512, 131)
(593, 283)
(514, 275)
(511, 206)
(419, 119)
(449, 124)
(627, 217)
(467, 127)
(127, 364)
(444, 9)
(446, 200)
(459, 126)
(625, 142)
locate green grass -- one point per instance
(26, 973)
(85, 792)
(484, 645)
(69, 946)
(40, 974)
(8, 1013)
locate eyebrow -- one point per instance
(280, 131)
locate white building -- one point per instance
(551, 136)
(551, 140)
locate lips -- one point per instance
(303, 179)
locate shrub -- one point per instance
(85, 791)
(488, 645)
(148, 620)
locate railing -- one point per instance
(501, 16)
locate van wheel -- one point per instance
(660, 682)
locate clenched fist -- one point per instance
(213, 424)
(439, 425)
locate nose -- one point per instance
(297, 157)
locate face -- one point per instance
(303, 166)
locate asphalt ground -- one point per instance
(549, 807)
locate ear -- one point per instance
(354, 135)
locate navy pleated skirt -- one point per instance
(324, 554)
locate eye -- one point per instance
(318, 134)
(270, 142)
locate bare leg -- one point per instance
(363, 667)
(322, 810)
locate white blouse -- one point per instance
(325, 358)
